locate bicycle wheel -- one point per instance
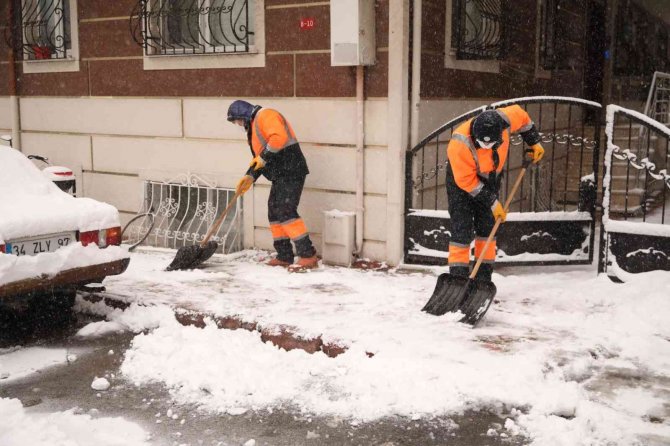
(137, 230)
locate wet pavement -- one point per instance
(68, 386)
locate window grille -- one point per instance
(40, 30)
(184, 211)
(477, 29)
(166, 27)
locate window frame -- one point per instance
(69, 63)
(254, 57)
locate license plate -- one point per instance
(38, 245)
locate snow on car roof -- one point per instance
(32, 205)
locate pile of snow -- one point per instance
(32, 205)
(549, 356)
(20, 428)
(13, 268)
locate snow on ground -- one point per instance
(570, 357)
(19, 427)
(16, 363)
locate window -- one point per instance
(197, 26)
(474, 35)
(476, 29)
(203, 33)
(44, 35)
(45, 28)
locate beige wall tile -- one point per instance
(73, 151)
(123, 192)
(323, 121)
(5, 113)
(334, 168)
(313, 203)
(107, 116)
(222, 161)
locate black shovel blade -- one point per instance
(206, 252)
(478, 301)
(449, 292)
(188, 257)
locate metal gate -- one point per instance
(552, 218)
(635, 234)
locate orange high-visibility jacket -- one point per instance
(470, 164)
(271, 132)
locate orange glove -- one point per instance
(244, 184)
(257, 163)
(498, 211)
(535, 153)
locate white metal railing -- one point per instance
(658, 99)
(184, 208)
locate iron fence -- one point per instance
(553, 220)
(165, 27)
(571, 159)
(635, 229)
(638, 163)
(183, 211)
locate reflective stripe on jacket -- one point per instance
(271, 132)
(471, 164)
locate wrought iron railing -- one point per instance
(40, 30)
(477, 29)
(184, 209)
(556, 184)
(165, 27)
(637, 180)
(657, 106)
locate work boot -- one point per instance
(304, 264)
(278, 262)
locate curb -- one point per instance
(282, 336)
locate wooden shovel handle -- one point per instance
(217, 223)
(519, 178)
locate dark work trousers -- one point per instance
(469, 218)
(283, 211)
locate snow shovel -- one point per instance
(188, 257)
(472, 297)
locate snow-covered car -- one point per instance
(51, 242)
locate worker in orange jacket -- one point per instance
(477, 153)
(277, 156)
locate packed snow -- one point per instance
(568, 357)
(19, 427)
(32, 205)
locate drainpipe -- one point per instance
(360, 158)
(416, 72)
(13, 98)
